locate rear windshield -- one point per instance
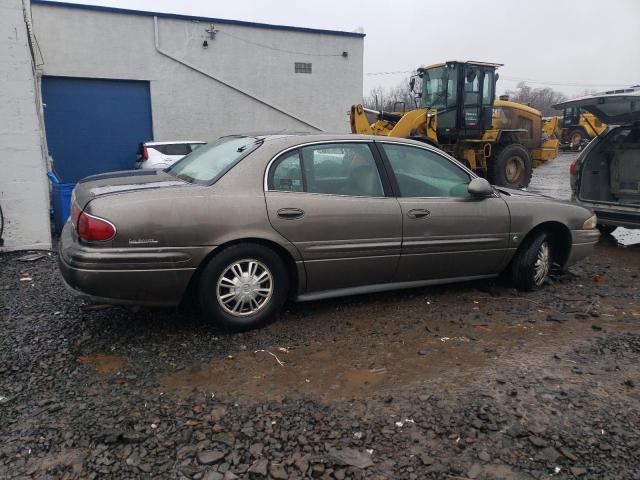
(208, 163)
(173, 149)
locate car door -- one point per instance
(447, 233)
(330, 200)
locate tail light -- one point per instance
(145, 154)
(93, 228)
(572, 167)
(75, 213)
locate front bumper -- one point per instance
(141, 276)
(582, 243)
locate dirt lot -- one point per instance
(468, 381)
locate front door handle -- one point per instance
(418, 213)
(290, 213)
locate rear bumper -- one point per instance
(157, 277)
(612, 214)
(582, 243)
(618, 219)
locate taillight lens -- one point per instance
(572, 167)
(93, 229)
(145, 154)
(75, 213)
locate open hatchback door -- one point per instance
(613, 107)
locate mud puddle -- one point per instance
(365, 365)
(104, 364)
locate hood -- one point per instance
(120, 182)
(614, 107)
(510, 192)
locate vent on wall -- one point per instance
(302, 67)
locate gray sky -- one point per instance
(569, 45)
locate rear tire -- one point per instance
(606, 229)
(576, 137)
(243, 286)
(510, 166)
(532, 263)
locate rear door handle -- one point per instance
(290, 213)
(418, 213)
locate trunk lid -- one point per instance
(120, 182)
(613, 107)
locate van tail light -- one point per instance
(572, 167)
(145, 154)
(93, 228)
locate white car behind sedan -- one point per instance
(157, 155)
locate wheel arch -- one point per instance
(560, 237)
(290, 264)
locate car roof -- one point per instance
(308, 137)
(614, 107)
(176, 142)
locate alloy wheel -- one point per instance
(245, 287)
(542, 265)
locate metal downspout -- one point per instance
(224, 82)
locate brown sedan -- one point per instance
(249, 221)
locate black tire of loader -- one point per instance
(497, 168)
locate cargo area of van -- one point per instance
(611, 172)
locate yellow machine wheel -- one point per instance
(576, 137)
(510, 166)
(514, 169)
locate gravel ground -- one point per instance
(465, 381)
(470, 381)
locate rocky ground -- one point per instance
(471, 381)
(466, 381)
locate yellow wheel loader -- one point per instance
(579, 128)
(500, 140)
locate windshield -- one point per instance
(208, 163)
(440, 87)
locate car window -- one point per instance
(207, 164)
(422, 173)
(286, 174)
(195, 146)
(173, 149)
(341, 169)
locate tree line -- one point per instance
(400, 98)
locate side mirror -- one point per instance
(412, 83)
(479, 187)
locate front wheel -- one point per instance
(243, 286)
(532, 263)
(510, 167)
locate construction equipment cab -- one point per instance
(579, 127)
(458, 113)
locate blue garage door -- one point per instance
(94, 126)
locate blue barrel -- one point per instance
(61, 199)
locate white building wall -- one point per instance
(188, 92)
(24, 192)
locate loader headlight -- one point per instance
(590, 223)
